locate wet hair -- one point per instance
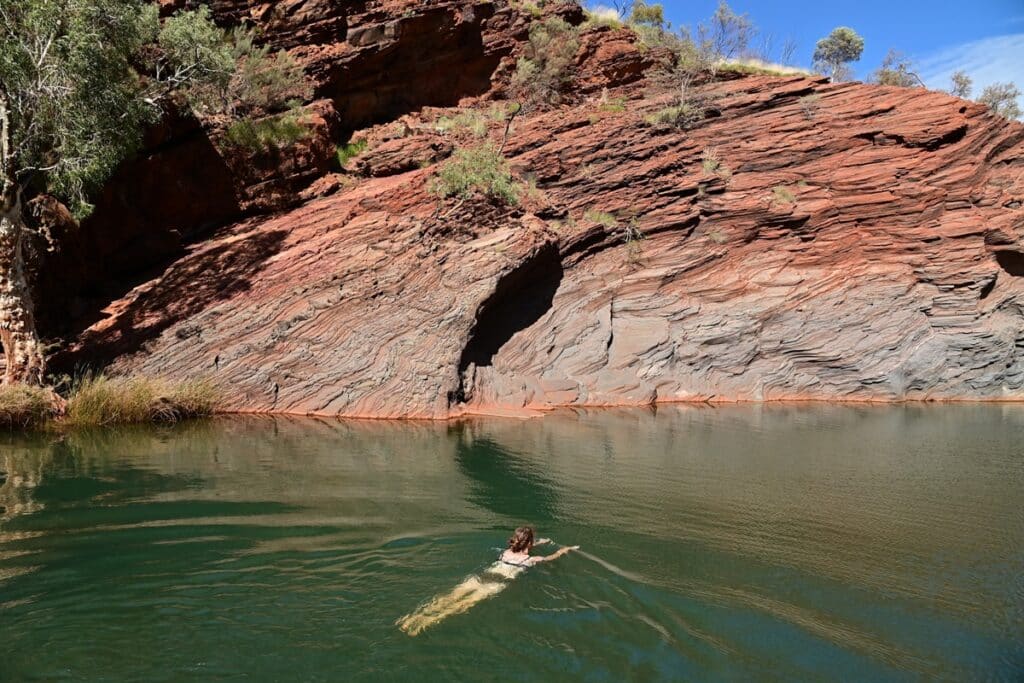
(521, 540)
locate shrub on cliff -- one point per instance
(961, 85)
(238, 76)
(480, 170)
(1001, 98)
(603, 16)
(896, 69)
(79, 82)
(683, 115)
(344, 153)
(545, 70)
(652, 15)
(267, 134)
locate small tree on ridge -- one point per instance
(833, 53)
(961, 85)
(1001, 98)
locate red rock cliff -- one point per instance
(807, 241)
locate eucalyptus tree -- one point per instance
(79, 82)
(835, 51)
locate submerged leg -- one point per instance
(460, 599)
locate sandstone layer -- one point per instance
(870, 249)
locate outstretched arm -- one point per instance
(558, 553)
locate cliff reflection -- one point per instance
(828, 489)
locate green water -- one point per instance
(740, 543)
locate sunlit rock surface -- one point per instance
(805, 241)
(870, 250)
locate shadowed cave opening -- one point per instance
(1012, 262)
(520, 299)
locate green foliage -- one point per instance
(896, 70)
(629, 230)
(725, 42)
(265, 80)
(839, 48)
(647, 15)
(469, 121)
(1001, 98)
(82, 78)
(546, 67)
(605, 17)
(758, 68)
(23, 406)
(961, 85)
(479, 169)
(614, 105)
(502, 111)
(532, 8)
(266, 134)
(70, 92)
(601, 218)
(100, 400)
(682, 115)
(195, 52)
(712, 165)
(709, 161)
(349, 151)
(224, 71)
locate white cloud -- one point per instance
(992, 60)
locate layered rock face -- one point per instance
(806, 241)
(367, 62)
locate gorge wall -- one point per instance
(807, 240)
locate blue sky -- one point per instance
(983, 37)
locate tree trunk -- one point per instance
(23, 352)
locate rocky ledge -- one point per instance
(806, 241)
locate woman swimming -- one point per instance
(510, 564)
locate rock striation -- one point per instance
(806, 240)
(368, 62)
(870, 255)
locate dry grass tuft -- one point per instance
(102, 400)
(22, 406)
(760, 67)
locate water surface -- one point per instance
(738, 543)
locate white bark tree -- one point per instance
(79, 80)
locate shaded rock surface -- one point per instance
(368, 62)
(868, 247)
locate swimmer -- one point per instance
(511, 563)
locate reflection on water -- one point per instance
(753, 542)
